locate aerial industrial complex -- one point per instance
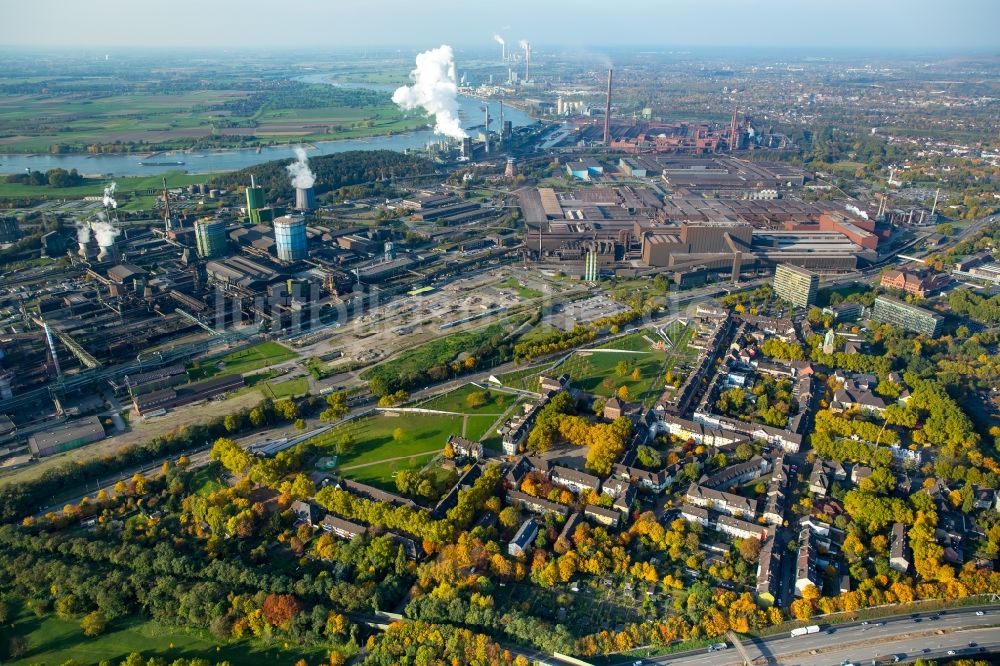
(583, 376)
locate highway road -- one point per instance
(858, 643)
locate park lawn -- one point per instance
(632, 342)
(206, 481)
(476, 427)
(457, 401)
(244, 360)
(525, 379)
(381, 476)
(681, 335)
(52, 641)
(373, 435)
(286, 389)
(588, 370)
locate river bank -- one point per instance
(223, 160)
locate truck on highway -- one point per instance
(802, 631)
(885, 659)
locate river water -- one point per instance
(470, 109)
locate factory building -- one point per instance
(241, 272)
(889, 310)
(796, 285)
(633, 232)
(290, 237)
(210, 238)
(584, 169)
(65, 437)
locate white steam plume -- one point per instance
(499, 40)
(524, 44)
(82, 233)
(109, 196)
(434, 90)
(299, 171)
(104, 231)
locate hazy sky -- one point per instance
(869, 24)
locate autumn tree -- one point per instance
(280, 609)
(93, 624)
(802, 609)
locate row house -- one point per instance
(695, 514)
(606, 517)
(569, 528)
(451, 499)
(655, 482)
(774, 505)
(516, 431)
(699, 433)
(899, 550)
(375, 494)
(738, 474)
(734, 527)
(536, 504)
(574, 480)
(734, 505)
(768, 574)
(789, 441)
(341, 528)
(524, 466)
(805, 563)
(740, 529)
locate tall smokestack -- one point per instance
(503, 47)
(734, 139)
(527, 58)
(486, 128)
(607, 111)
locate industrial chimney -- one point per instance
(607, 112)
(486, 128)
(305, 198)
(527, 61)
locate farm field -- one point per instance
(146, 122)
(244, 360)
